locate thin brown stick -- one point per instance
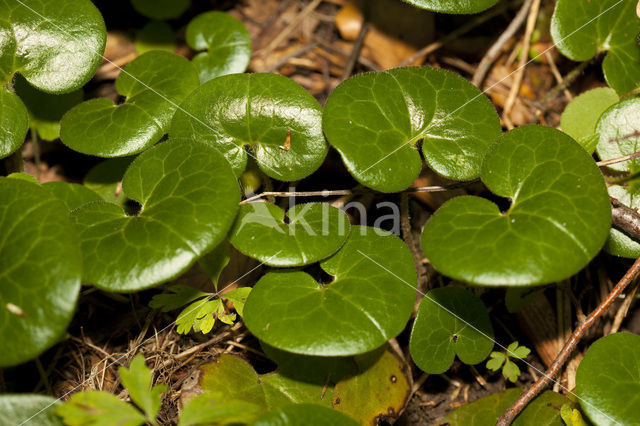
(624, 309)
(292, 26)
(357, 48)
(618, 160)
(495, 49)
(299, 52)
(568, 348)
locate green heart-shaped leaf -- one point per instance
(154, 84)
(314, 231)
(451, 321)
(72, 195)
(608, 380)
(189, 198)
(304, 415)
(582, 30)
(155, 35)
(56, 46)
(619, 243)
(272, 114)
(40, 268)
(45, 110)
(375, 120)
(105, 179)
(161, 10)
(226, 41)
(14, 123)
(28, 408)
(580, 117)
(544, 410)
(368, 303)
(619, 131)
(558, 220)
(454, 6)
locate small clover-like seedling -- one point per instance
(154, 84)
(155, 35)
(40, 269)
(558, 220)
(369, 301)
(376, 121)
(188, 196)
(581, 116)
(28, 408)
(619, 130)
(451, 321)
(608, 380)
(543, 410)
(303, 415)
(273, 115)
(101, 408)
(45, 110)
(223, 42)
(571, 416)
(314, 232)
(161, 10)
(581, 31)
(454, 6)
(501, 360)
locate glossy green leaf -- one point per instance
(24, 176)
(583, 28)
(375, 120)
(261, 111)
(56, 46)
(98, 408)
(619, 243)
(14, 122)
(161, 10)
(225, 41)
(45, 110)
(369, 301)
(72, 195)
(155, 35)
(188, 196)
(304, 415)
(105, 179)
(544, 410)
(580, 117)
(558, 221)
(454, 6)
(378, 390)
(451, 321)
(154, 84)
(619, 130)
(28, 409)
(212, 408)
(40, 269)
(608, 380)
(137, 380)
(313, 231)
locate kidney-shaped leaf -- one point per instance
(454, 6)
(40, 268)
(582, 30)
(28, 409)
(314, 231)
(581, 116)
(558, 220)
(304, 415)
(608, 380)
(189, 199)
(57, 46)
(368, 303)
(450, 321)
(226, 41)
(272, 114)
(161, 10)
(14, 122)
(154, 83)
(376, 120)
(619, 131)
